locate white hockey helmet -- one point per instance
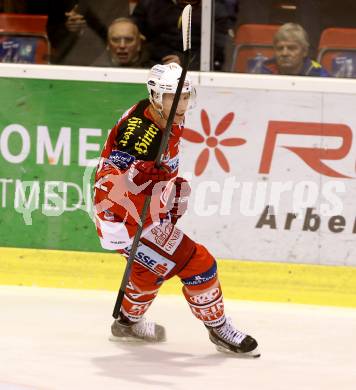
(164, 79)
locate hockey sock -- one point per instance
(136, 302)
(207, 303)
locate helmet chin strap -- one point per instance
(159, 111)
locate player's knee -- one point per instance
(203, 256)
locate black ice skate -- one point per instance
(143, 330)
(228, 339)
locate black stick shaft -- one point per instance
(162, 148)
(131, 259)
(172, 113)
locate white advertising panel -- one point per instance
(273, 175)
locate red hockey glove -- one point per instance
(142, 172)
(179, 203)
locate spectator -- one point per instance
(77, 29)
(308, 13)
(125, 46)
(159, 21)
(291, 47)
(232, 7)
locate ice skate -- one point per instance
(228, 339)
(141, 331)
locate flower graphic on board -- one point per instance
(212, 141)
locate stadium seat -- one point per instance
(337, 51)
(23, 38)
(253, 45)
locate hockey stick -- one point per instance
(186, 34)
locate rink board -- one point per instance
(271, 161)
(258, 281)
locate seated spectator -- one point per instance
(125, 46)
(159, 21)
(77, 29)
(291, 47)
(307, 13)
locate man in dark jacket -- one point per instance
(160, 22)
(125, 46)
(77, 29)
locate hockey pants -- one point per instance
(166, 252)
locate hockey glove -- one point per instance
(178, 204)
(145, 172)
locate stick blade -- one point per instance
(186, 27)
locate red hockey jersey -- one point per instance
(118, 202)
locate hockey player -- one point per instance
(125, 174)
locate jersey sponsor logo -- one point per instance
(153, 260)
(139, 309)
(210, 312)
(109, 215)
(122, 160)
(201, 278)
(174, 240)
(133, 123)
(217, 322)
(206, 297)
(166, 236)
(159, 235)
(135, 312)
(142, 294)
(133, 294)
(116, 242)
(173, 163)
(146, 140)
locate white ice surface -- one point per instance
(58, 339)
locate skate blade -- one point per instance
(130, 340)
(242, 355)
(134, 340)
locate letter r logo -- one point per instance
(311, 156)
